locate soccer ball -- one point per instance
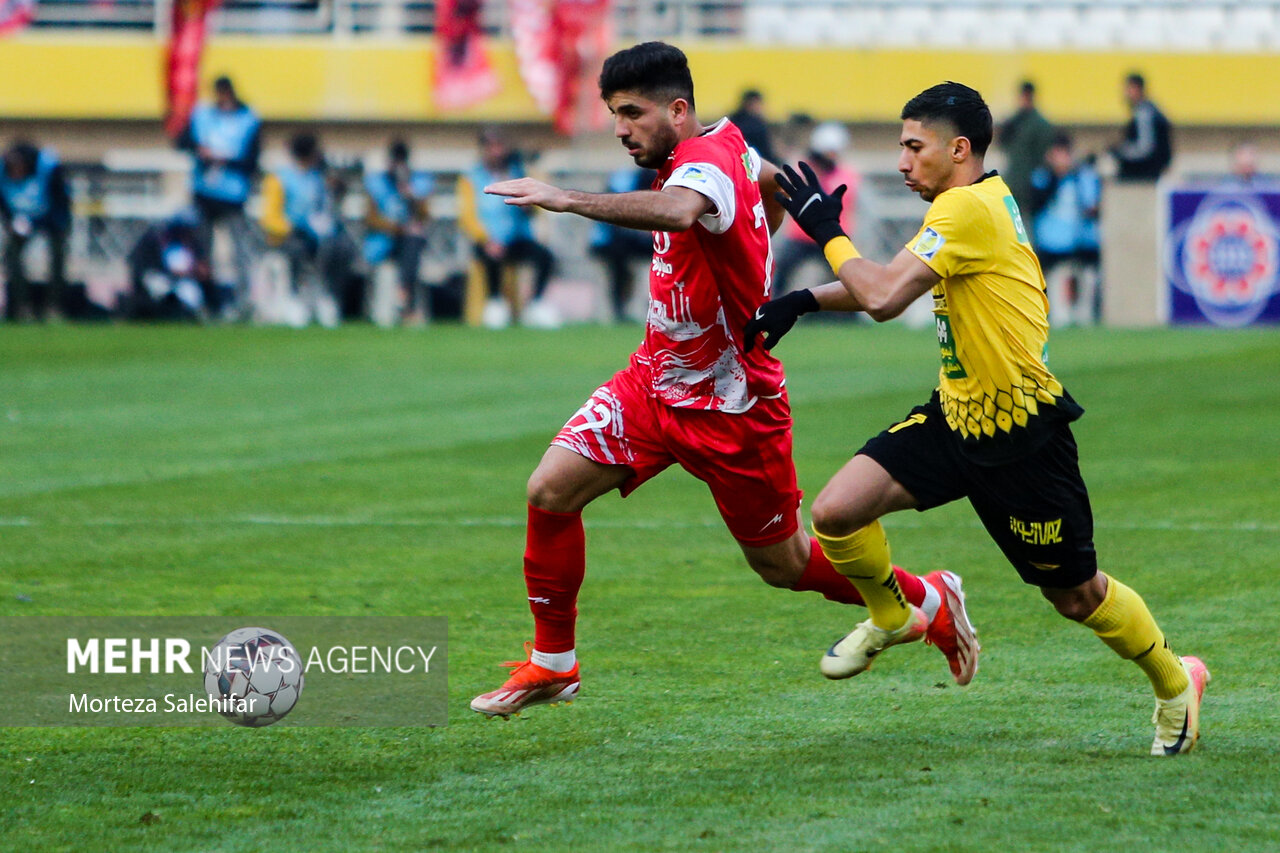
(254, 676)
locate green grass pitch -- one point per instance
(234, 471)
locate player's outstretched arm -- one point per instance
(882, 291)
(672, 209)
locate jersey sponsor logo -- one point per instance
(660, 266)
(661, 242)
(947, 346)
(1016, 215)
(1037, 532)
(928, 244)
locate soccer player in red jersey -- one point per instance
(691, 395)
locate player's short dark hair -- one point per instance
(398, 151)
(1136, 79)
(1027, 87)
(655, 69)
(957, 105)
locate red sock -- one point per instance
(555, 561)
(820, 576)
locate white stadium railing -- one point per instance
(1221, 25)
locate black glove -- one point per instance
(816, 212)
(776, 317)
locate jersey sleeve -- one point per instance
(698, 170)
(951, 231)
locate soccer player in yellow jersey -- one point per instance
(997, 429)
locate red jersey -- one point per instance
(705, 283)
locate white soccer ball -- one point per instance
(254, 676)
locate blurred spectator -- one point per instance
(1147, 148)
(169, 272)
(34, 202)
(301, 217)
(794, 137)
(1244, 169)
(826, 146)
(1025, 138)
(501, 233)
(750, 119)
(225, 137)
(396, 225)
(1065, 199)
(619, 248)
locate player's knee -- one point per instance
(547, 493)
(831, 517)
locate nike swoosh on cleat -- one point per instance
(1182, 738)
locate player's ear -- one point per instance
(961, 148)
(678, 110)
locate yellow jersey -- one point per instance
(991, 313)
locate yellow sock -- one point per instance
(863, 557)
(1124, 623)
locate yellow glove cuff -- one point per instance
(838, 250)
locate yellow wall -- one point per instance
(117, 77)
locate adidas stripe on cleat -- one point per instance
(951, 631)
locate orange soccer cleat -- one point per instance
(951, 631)
(529, 684)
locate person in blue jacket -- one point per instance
(225, 138)
(34, 200)
(397, 220)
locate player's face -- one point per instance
(645, 127)
(927, 161)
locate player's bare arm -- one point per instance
(883, 291)
(671, 209)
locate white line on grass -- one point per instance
(907, 523)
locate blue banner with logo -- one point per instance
(1222, 256)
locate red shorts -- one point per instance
(744, 458)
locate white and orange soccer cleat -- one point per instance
(855, 653)
(1178, 719)
(951, 631)
(529, 684)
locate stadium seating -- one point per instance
(1221, 25)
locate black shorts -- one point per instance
(1036, 508)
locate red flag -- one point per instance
(186, 44)
(15, 14)
(464, 75)
(560, 45)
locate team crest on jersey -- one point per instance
(928, 244)
(1226, 258)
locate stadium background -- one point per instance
(359, 71)
(237, 473)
